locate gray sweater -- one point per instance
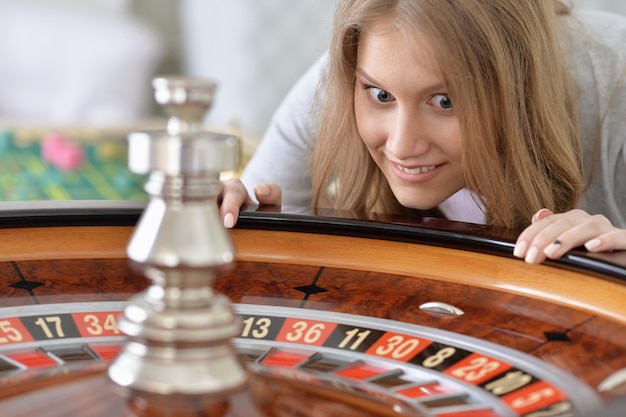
(595, 46)
(596, 51)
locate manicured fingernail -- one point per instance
(540, 214)
(520, 249)
(532, 255)
(552, 249)
(229, 221)
(593, 244)
(262, 189)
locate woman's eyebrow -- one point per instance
(436, 87)
(360, 71)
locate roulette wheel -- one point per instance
(420, 319)
(128, 309)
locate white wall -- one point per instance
(107, 6)
(66, 62)
(254, 49)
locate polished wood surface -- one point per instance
(603, 297)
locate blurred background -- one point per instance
(77, 64)
(76, 61)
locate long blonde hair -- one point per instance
(513, 95)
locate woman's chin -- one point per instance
(418, 204)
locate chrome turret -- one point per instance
(179, 329)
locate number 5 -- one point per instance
(11, 333)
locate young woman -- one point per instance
(461, 109)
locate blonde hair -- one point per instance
(513, 97)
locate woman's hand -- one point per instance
(552, 235)
(235, 195)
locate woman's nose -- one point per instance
(407, 137)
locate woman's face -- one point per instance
(406, 118)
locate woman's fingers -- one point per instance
(552, 235)
(614, 240)
(269, 194)
(234, 195)
(541, 214)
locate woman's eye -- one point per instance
(443, 101)
(380, 96)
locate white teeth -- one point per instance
(415, 171)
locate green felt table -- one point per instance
(103, 174)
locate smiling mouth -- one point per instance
(415, 171)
